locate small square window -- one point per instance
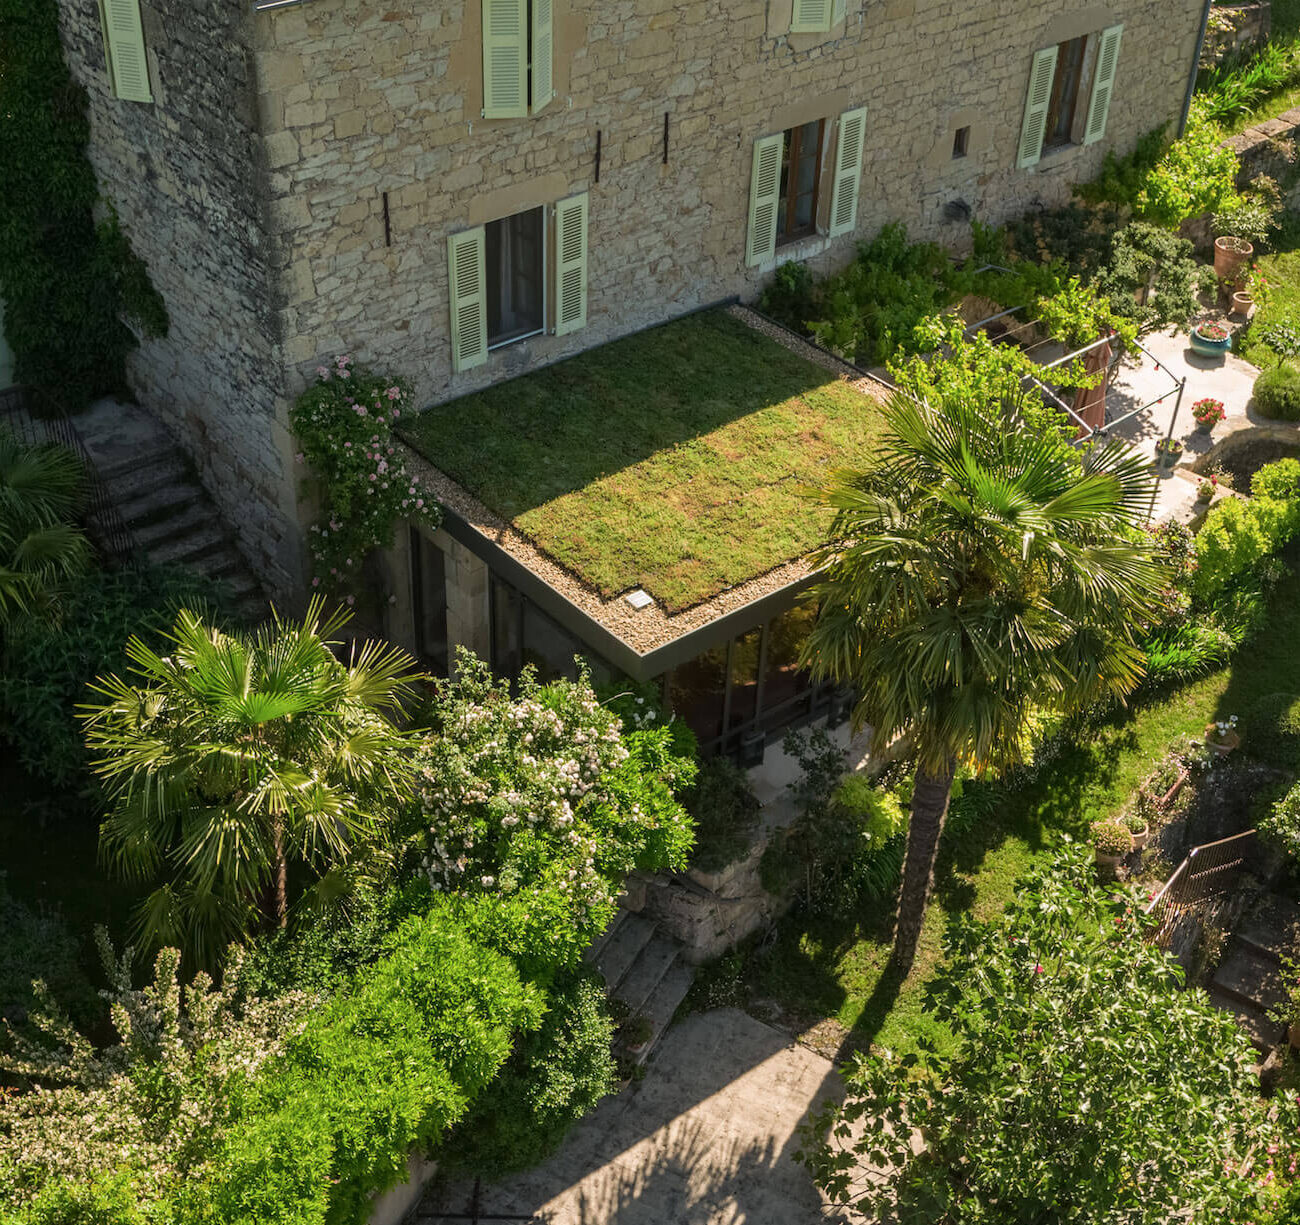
(513, 255)
(961, 142)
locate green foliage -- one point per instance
(555, 1076)
(1280, 479)
(1109, 837)
(791, 298)
(1282, 824)
(1196, 175)
(1123, 179)
(38, 945)
(46, 665)
(1073, 236)
(67, 284)
(845, 847)
(382, 1068)
(1252, 216)
(1143, 255)
(1183, 652)
(41, 547)
(1234, 86)
(725, 810)
(344, 425)
(1236, 536)
(1271, 730)
(1081, 1075)
(234, 755)
(538, 803)
(1277, 393)
(639, 705)
(1076, 316)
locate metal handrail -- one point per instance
(1207, 871)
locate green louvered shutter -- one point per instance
(128, 69)
(505, 59)
(571, 264)
(811, 17)
(848, 171)
(543, 57)
(1034, 126)
(1103, 84)
(764, 193)
(468, 280)
(837, 13)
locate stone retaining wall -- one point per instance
(1232, 31)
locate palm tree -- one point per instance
(236, 755)
(979, 570)
(40, 546)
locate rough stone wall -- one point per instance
(187, 176)
(389, 98)
(1232, 31)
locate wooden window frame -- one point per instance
(790, 152)
(1054, 114)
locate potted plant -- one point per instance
(1206, 488)
(1168, 451)
(1208, 413)
(1111, 841)
(636, 1033)
(1231, 255)
(1222, 737)
(1210, 339)
(1139, 829)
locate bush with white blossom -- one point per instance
(540, 797)
(344, 425)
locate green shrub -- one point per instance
(1280, 479)
(1277, 393)
(1186, 651)
(1122, 179)
(1271, 730)
(1236, 536)
(1281, 826)
(725, 810)
(1141, 255)
(791, 298)
(38, 944)
(555, 1076)
(1196, 175)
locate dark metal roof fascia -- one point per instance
(641, 667)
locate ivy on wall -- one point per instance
(68, 284)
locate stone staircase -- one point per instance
(1249, 979)
(645, 969)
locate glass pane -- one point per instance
(547, 646)
(784, 680)
(1069, 66)
(695, 692)
(781, 210)
(803, 212)
(506, 655)
(430, 581)
(744, 679)
(513, 260)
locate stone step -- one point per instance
(1273, 929)
(662, 1006)
(1259, 1028)
(142, 473)
(1250, 977)
(646, 973)
(193, 518)
(167, 499)
(593, 951)
(618, 956)
(190, 547)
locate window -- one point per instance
(499, 282)
(1056, 82)
(518, 57)
(815, 16)
(961, 142)
(801, 172)
(1065, 93)
(513, 249)
(128, 68)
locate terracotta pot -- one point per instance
(1231, 255)
(1140, 840)
(1226, 745)
(1242, 302)
(1106, 861)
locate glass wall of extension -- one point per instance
(737, 695)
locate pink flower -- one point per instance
(352, 599)
(373, 477)
(315, 582)
(419, 502)
(323, 371)
(393, 393)
(347, 446)
(299, 458)
(1038, 969)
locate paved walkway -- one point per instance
(707, 1138)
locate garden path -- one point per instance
(1249, 980)
(707, 1138)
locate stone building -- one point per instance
(464, 191)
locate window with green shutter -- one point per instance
(1033, 126)
(128, 67)
(468, 281)
(1103, 84)
(811, 16)
(764, 199)
(518, 57)
(848, 171)
(571, 264)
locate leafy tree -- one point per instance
(40, 546)
(234, 756)
(980, 571)
(1085, 1087)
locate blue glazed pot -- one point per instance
(1207, 347)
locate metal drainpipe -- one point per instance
(1196, 64)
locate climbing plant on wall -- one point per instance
(67, 283)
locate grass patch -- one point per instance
(828, 968)
(673, 460)
(1282, 268)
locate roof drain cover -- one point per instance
(639, 599)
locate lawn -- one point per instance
(823, 969)
(675, 460)
(1282, 270)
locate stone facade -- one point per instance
(186, 175)
(293, 186)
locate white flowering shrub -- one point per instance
(344, 425)
(148, 1109)
(540, 799)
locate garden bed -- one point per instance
(1245, 452)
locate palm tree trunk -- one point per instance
(929, 808)
(281, 879)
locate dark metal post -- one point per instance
(388, 229)
(665, 138)
(597, 155)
